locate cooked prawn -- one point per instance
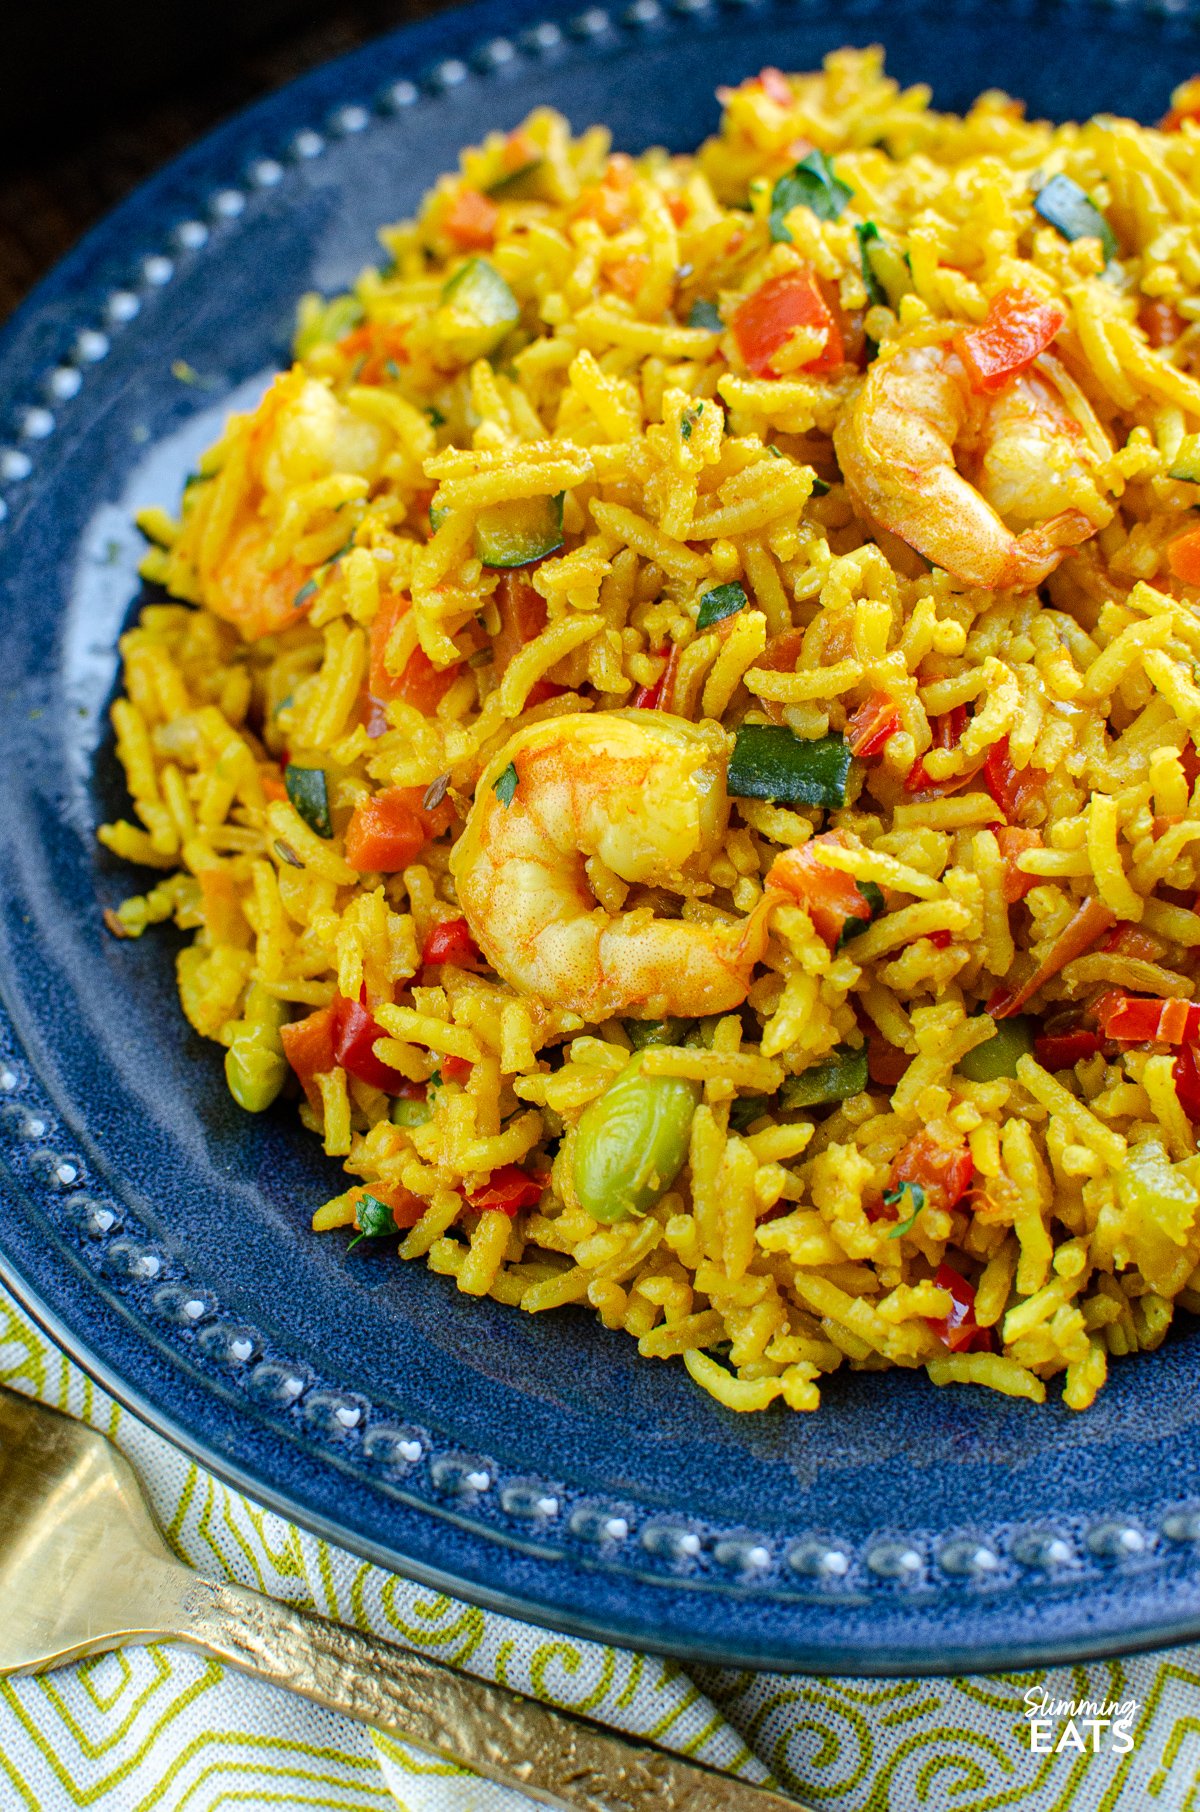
(995, 489)
(643, 793)
(299, 434)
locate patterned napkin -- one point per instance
(159, 1727)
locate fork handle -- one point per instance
(553, 1756)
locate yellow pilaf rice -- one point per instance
(773, 1257)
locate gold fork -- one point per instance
(83, 1568)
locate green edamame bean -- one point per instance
(631, 1144)
(255, 1066)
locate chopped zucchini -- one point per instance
(513, 534)
(835, 1079)
(1186, 464)
(478, 310)
(997, 1055)
(1071, 211)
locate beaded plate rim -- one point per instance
(183, 1318)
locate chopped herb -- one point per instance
(721, 602)
(434, 793)
(853, 927)
(688, 420)
(196, 478)
(375, 1220)
(705, 314)
(308, 790)
(895, 1199)
(868, 233)
(773, 450)
(1071, 211)
(813, 185)
(287, 854)
(835, 1079)
(307, 590)
(436, 418)
(769, 762)
(505, 788)
(187, 374)
(392, 369)
(820, 487)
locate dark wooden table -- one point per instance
(87, 137)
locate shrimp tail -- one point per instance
(1036, 552)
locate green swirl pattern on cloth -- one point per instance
(159, 1727)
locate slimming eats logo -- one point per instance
(1085, 1725)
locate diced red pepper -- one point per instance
(947, 734)
(765, 321)
(1013, 841)
(1134, 1019)
(454, 1069)
(659, 696)
(471, 220)
(451, 942)
(1131, 940)
(507, 1190)
(872, 725)
(1063, 1050)
(943, 1171)
(1018, 330)
(308, 1045)
(406, 1207)
(1014, 789)
(1186, 1073)
(941, 940)
(959, 1330)
(1183, 557)
(355, 1034)
(827, 895)
(421, 683)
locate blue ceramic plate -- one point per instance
(535, 1464)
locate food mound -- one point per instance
(677, 738)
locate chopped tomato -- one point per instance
(1018, 330)
(763, 324)
(827, 895)
(780, 656)
(1133, 1019)
(1090, 922)
(421, 683)
(508, 1189)
(659, 696)
(451, 942)
(959, 1330)
(471, 220)
(454, 1069)
(308, 1045)
(1183, 557)
(406, 1207)
(944, 1172)
(1015, 790)
(378, 345)
(1161, 322)
(355, 1034)
(871, 726)
(947, 734)
(522, 612)
(941, 940)
(1186, 1074)
(1063, 1050)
